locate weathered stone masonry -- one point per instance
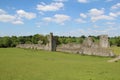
(51, 46)
(88, 47)
(52, 43)
(104, 43)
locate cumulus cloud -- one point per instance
(18, 22)
(16, 18)
(54, 6)
(83, 1)
(80, 20)
(114, 14)
(6, 18)
(101, 17)
(48, 19)
(58, 18)
(27, 15)
(2, 12)
(83, 15)
(97, 14)
(116, 6)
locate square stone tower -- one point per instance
(104, 43)
(88, 42)
(52, 42)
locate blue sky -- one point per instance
(62, 17)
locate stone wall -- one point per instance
(51, 46)
(33, 46)
(88, 47)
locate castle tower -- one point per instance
(88, 42)
(52, 42)
(104, 43)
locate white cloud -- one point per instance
(118, 13)
(83, 1)
(61, 18)
(27, 15)
(6, 18)
(58, 18)
(80, 20)
(116, 6)
(50, 7)
(18, 22)
(110, 23)
(48, 19)
(115, 14)
(101, 17)
(16, 18)
(2, 12)
(96, 12)
(83, 15)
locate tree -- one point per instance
(1, 42)
(6, 41)
(21, 39)
(14, 40)
(118, 41)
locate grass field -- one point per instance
(21, 64)
(116, 50)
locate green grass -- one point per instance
(116, 50)
(21, 64)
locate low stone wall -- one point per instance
(87, 51)
(32, 46)
(98, 52)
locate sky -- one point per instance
(62, 17)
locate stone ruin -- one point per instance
(104, 41)
(51, 43)
(88, 47)
(51, 46)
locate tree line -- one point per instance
(12, 41)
